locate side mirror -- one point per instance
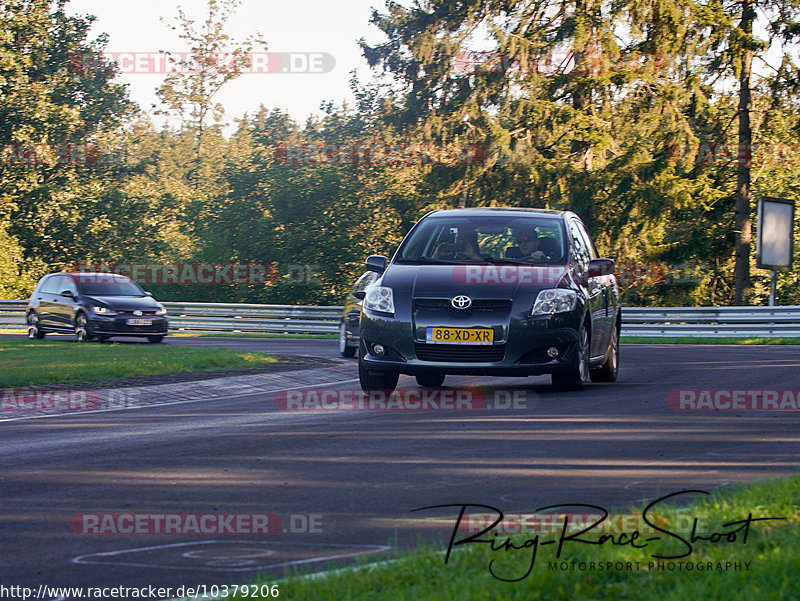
(376, 263)
(360, 294)
(598, 267)
(148, 293)
(68, 294)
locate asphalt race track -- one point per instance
(343, 483)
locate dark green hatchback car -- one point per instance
(498, 292)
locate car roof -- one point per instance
(489, 211)
(78, 275)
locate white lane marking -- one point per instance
(361, 550)
(181, 402)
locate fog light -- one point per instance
(552, 352)
(378, 349)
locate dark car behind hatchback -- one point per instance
(499, 292)
(94, 305)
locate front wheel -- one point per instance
(607, 372)
(574, 377)
(155, 339)
(384, 380)
(34, 328)
(344, 350)
(81, 328)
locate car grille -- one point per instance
(480, 305)
(460, 353)
(158, 325)
(153, 312)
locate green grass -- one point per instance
(37, 362)
(771, 548)
(693, 340)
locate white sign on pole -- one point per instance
(775, 233)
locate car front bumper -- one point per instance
(118, 326)
(522, 351)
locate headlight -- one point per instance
(161, 309)
(103, 311)
(379, 298)
(556, 300)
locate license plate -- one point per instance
(140, 322)
(459, 336)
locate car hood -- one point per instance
(126, 303)
(478, 281)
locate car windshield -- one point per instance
(486, 239)
(110, 289)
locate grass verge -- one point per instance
(771, 550)
(693, 340)
(37, 362)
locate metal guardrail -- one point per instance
(221, 317)
(712, 322)
(709, 322)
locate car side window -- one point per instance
(587, 239)
(582, 253)
(59, 284)
(68, 284)
(49, 286)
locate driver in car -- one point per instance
(528, 243)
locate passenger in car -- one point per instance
(466, 247)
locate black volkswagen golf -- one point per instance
(94, 305)
(495, 292)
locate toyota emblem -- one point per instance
(137, 312)
(461, 302)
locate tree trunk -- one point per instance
(741, 273)
(586, 59)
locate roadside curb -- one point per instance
(134, 397)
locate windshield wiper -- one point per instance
(423, 260)
(510, 261)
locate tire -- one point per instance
(430, 380)
(574, 378)
(35, 331)
(344, 350)
(607, 372)
(155, 339)
(386, 380)
(82, 328)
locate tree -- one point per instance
(213, 61)
(53, 109)
(733, 48)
